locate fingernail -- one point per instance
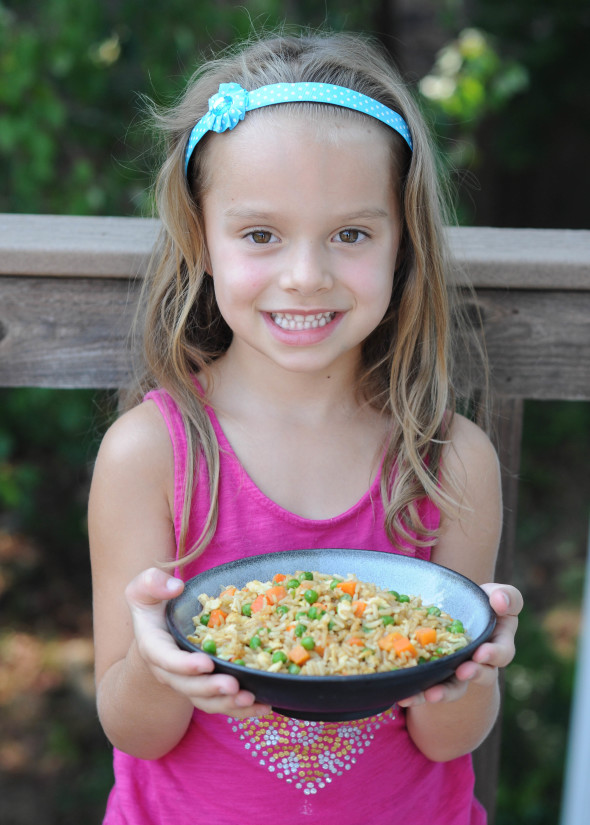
(172, 584)
(244, 699)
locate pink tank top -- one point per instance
(276, 769)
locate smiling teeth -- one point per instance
(287, 320)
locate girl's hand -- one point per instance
(482, 668)
(186, 673)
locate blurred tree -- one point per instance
(71, 79)
(532, 169)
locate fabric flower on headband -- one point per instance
(226, 108)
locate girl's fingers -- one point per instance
(507, 602)
(482, 669)
(152, 587)
(146, 596)
(202, 687)
(500, 650)
(187, 673)
(505, 599)
(160, 651)
(448, 691)
(219, 693)
(245, 710)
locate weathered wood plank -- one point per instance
(110, 247)
(538, 342)
(73, 245)
(552, 259)
(66, 332)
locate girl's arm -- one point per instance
(146, 687)
(452, 719)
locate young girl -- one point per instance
(297, 394)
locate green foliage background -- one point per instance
(506, 93)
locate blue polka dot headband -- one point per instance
(230, 104)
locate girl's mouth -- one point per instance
(297, 322)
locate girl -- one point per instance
(297, 394)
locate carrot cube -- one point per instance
(425, 636)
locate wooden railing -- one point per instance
(68, 287)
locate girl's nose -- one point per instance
(307, 271)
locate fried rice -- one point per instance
(315, 624)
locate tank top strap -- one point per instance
(241, 502)
(173, 419)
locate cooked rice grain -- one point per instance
(316, 624)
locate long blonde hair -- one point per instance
(406, 361)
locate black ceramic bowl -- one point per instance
(338, 698)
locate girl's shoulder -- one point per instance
(468, 446)
(138, 444)
(138, 427)
(470, 531)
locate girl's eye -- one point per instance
(351, 236)
(261, 236)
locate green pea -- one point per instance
(334, 584)
(210, 647)
(255, 642)
(239, 662)
(205, 618)
(302, 614)
(402, 598)
(282, 609)
(292, 583)
(346, 597)
(313, 613)
(395, 594)
(434, 611)
(331, 624)
(310, 596)
(293, 668)
(246, 610)
(456, 626)
(300, 629)
(421, 660)
(308, 643)
(279, 656)
(440, 651)
(388, 620)
(307, 576)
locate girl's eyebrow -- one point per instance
(246, 212)
(252, 213)
(369, 212)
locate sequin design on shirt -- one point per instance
(308, 755)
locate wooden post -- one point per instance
(507, 430)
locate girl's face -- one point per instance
(303, 229)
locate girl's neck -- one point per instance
(292, 395)
(313, 424)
